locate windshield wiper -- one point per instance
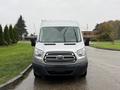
(69, 43)
(75, 35)
(49, 44)
(64, 35)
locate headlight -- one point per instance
(81, 52)
(38, 52)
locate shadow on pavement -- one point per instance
(59, 83)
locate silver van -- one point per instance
(59, 50)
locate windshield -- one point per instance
(60, 34)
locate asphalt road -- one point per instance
(103, 74)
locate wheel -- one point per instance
(37, 76)
(84, 75)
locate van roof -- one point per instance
(51, 23)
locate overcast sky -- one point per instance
(85, 12)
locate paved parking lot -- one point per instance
(103, 74)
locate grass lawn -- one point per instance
(14, 59)
(106, 45)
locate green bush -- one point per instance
(1, 36)
(2, 41)
(7, 35)
(11, 32)
(15, 35)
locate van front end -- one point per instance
(60, 63)
(60, 50)
(75, 69)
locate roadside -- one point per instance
(106, 45)
(14, 59)
(103, 74)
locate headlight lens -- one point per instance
(38, 52)
(81, 52)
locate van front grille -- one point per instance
(59, 56)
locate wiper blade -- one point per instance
(70, 43)
(75, 35)
(49, 44)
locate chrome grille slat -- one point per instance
(60, 54)
(66, 57)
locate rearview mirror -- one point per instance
(33, 41)
(86, 41)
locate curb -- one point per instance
(16, 80)
(105, 48)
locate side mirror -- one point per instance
(86, 41)
(33, 41)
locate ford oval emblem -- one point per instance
(59, 57)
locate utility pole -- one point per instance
(87, 27)
(34, 28)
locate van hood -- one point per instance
(59, 47)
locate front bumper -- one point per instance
(60, 70)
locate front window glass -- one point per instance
(60, 34)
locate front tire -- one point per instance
(37, 76)
(84, 75)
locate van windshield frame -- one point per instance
(60, 34)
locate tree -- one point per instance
(15, 34)
(109, 31)
(117, 27)
(11, 34)
(20, 27)
(7, 35)
(2, 41)
(106, 32)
